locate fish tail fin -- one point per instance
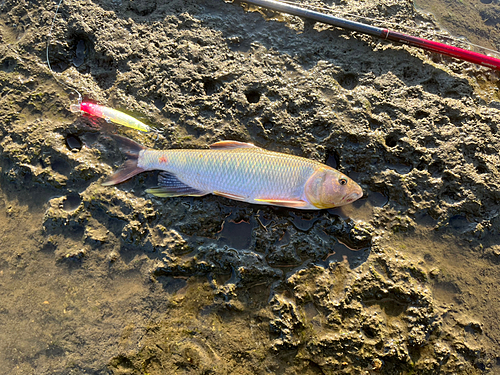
(130, 168)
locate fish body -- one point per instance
(240, 171)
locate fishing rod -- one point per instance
(428, 45)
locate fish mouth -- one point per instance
(353, 197)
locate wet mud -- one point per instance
(111, 280)
(477, 21)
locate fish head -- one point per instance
(328, 188)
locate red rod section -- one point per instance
(444, 49)
(429, 45)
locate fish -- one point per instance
(239, 171)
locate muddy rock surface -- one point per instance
(111, 280)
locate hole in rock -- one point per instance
(79, 58)
(210, 86)
(348, 81)
(391, 140)
(73, 143)
(72, 202)
(253, 96)
(60, 166)
(481, 169)
(333, 159)
(9, 65)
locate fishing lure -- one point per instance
(111, 115)
(108, 114)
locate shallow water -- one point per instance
(52, 310)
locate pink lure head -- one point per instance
(91, 109)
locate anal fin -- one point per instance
(229, 195)
(284, 203)
(170, 186)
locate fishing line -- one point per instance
(49, 39)
(106, 113)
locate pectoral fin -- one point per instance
(284, 203)
(167, 193)
(170, 186)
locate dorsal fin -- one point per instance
(230, 144)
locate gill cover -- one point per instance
(328, 188)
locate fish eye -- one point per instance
(343, 181)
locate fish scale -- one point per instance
(239, 171)
(256, 174)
